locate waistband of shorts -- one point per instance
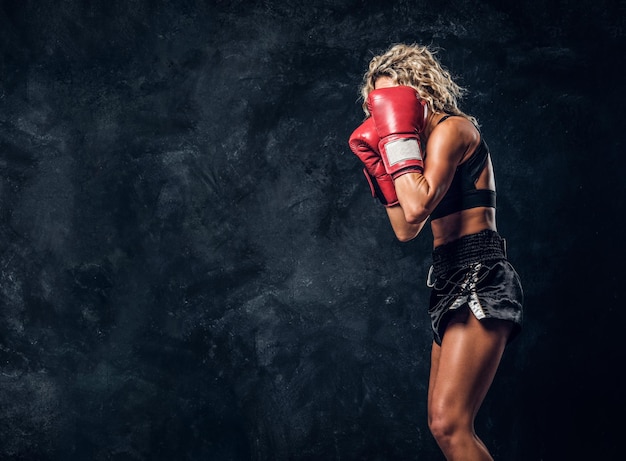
(486, 245)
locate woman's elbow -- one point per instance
(408, 231)
(405, 236)
(416, 214)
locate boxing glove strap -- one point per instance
(403, 149)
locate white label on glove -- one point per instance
(403, 149)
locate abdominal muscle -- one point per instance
(461, 223)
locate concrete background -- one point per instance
(191, 266)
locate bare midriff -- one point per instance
(465, 222)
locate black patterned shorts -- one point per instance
(473, 272)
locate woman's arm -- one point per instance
(419, 193)
(404, 231)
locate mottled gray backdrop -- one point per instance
(191, 266)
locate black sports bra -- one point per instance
(462, 193)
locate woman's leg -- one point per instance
(462, 370)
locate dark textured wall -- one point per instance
(191, 266)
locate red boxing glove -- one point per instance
(399, 116)
(363, 142)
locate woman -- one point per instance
(425, 158)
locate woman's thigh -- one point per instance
(463, 367)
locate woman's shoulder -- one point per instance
(457, 128)
(453, 137)
(458, 120)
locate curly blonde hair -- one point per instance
(416, 66)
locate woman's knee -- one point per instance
(449, 425)
(442, 424)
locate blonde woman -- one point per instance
(424, 158)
